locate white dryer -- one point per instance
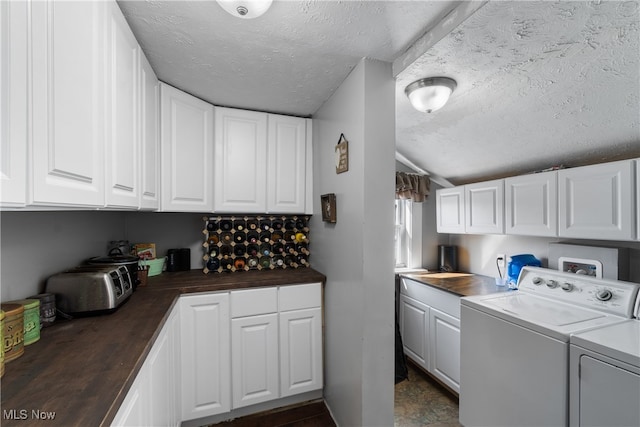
(514, 359)
(604, 376)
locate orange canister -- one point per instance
(13, 333)
(1, 343)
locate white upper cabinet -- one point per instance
(240, 161)
(286, 180)
(484, 207)
(122, 147)
(262, 163)
(67, 62)
(13, 103)
(596, 201)
(149, 136)
(450, 210)
(531, 203)
(186, 151)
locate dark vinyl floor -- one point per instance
(419, 402)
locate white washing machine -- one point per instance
(604, 376)
(514, 362)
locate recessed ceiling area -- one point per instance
(539, 83)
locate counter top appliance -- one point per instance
(515, 345)
(90, 289)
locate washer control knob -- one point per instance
(552, 284)
(566, 286)
(604, 295)
(538, 281)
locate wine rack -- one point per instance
(242, 243)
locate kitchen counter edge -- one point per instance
(82, 369)
(463, 286)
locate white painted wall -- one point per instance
(356, 253)
(477, 253)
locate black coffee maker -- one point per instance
(447, 258)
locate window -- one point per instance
(403, 241)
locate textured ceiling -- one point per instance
(290, 60)
(540, 83)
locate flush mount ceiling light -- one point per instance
(430, 94)
(246, 9)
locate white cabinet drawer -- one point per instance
(298, 297)
(251, 302)
(442, 300)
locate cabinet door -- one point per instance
(531, 203)
(286, 180)
(444, 338)
(300, 351)
(596, 201)
(13, 103)
(484, 207)
(67, 58)
(149, 136)
(205, 359)
(254, 351)
(187, 151)
(164, 383)
(123, 139)
(240, 161)
(414, 328)
(134, 410)
(450, 210)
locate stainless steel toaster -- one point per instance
(90, 288)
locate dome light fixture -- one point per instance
(430, 94)
(246, 9)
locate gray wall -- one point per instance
(477, 253)
(356, 253)
(35, 245)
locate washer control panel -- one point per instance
(613, 296)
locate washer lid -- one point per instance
(543, 315)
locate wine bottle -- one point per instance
(290, 248)
(213, 264)
(227, 264)
(213, 251)
(301, 224)
(276, 224)
(252, 224)
(252, 249)
(213, 239)
(239, 250)
(265, 262)
(239, 225)
(226, 237)
(239, 237)
(253, 237)
(278, 261)
(289, 224)
(226, 225)
(265, 225)
(265, 236)
(278, 248)
(253, 262)
(265, 249)
(225, 250)
(303, 259)
(239, 263)
(276, 236)
(302, 248)
(290, 261)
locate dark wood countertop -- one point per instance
(81, 369)
(462, 284)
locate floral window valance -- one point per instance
(412, 186)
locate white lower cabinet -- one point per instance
(414, 328)
(444, 336)
(153, 399)
(222, 351)
(430, 328)
(205, 358)
(254, 346)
